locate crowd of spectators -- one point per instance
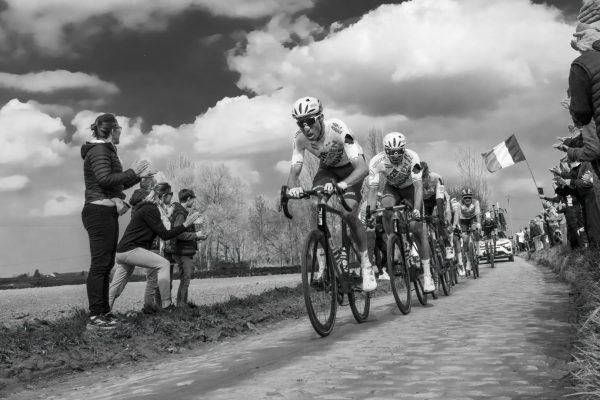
(157, 232)
(572, 210)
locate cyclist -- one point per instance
(435, 202)
(342, 163)
(466, 212)
(489, 226)
(401, 169)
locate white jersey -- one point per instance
(336, 147)
(433, 186)
(399, 176)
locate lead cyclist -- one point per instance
(342, 163)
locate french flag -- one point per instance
(504, 155)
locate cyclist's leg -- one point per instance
(419, 231)
(322, 177)
(358, 233)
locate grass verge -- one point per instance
(581, 268)
(42, 350)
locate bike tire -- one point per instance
(474, 260)
(320, 296)
(398, 270)
(445, 282)
(360, 302)
(421, 295)
(493, 254)
(434, 270)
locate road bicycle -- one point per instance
(469, 249)
(441, 269)
(328, 272)
(403, 263)
(490, 247)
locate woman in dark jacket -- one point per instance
(147, 221)
(105, 181)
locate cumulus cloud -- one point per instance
(418, 58)
(44, 22)
(52, 81)
(13, 183)
(29, 137)
(283, 166)
(59, 203)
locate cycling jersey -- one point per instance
(335, 148)
(467, 212)
(398, 176)
(433, 186)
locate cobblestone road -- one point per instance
(504, 336)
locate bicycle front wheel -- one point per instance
(474, 259)
(360, 302)
(397, 264)
(319, 284)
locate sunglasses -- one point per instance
(310, 121)
(395, 152)
(467, 198)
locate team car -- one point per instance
(504, 248)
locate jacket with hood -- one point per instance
(103, 174)
(145, 225)
(185, 243)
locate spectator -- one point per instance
(134, 249)
(536, 234)
(529, 239)
(105, 181)
(521, 240)
(183, 247)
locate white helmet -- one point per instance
(307, 107)
(394, 144)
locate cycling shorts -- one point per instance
(326, 174)
(407, 194)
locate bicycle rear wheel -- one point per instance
(360, 302)
(397, 265)
(319, 284)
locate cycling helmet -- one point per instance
(466, 193)
(306, 107)
(394, 144)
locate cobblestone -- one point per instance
(504, 336)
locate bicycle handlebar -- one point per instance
(284, 198)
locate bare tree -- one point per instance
(473, 174)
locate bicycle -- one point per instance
(471, 252)
(403, 265)
(490, 247)
(324, 286)
(440, 269)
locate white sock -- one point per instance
(321, 259)
(365, 262)
(426, 268)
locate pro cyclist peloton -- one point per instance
(436, 202)
(342, 162)
(401, 169)
(466, 212)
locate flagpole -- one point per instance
(535, 183)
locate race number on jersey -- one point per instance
(336, 147)
(400, 176)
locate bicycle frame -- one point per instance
(322, 209)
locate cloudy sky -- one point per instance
(215, 80)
